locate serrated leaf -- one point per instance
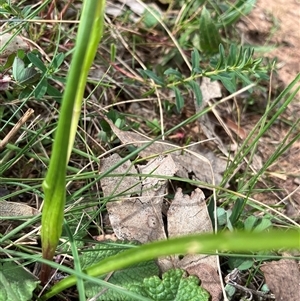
(174, 286)
(210, 38)
(178, 99)
(16, 283)
(126, 278)
(152, 75)
(36, 61)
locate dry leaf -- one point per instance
(209, 277)
(16, 209)
(141, 218)
(133, 220)
(155, 187)
(187, 215)
(283, 279)
(236, 128)
(14, 44)
(122, 184)
(200, 163)
(209, 89)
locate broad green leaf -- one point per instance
(240, 263)
(178, 99)
(250, 222)
(37, 62)
(9, 62)
(263, 225)
(174, 286)
(17, 68)
(58, 60)
(126, 278)
(16, 284)
(41, 89)
(52, 91)
(210, 38)
(221, 216)
(28, 76)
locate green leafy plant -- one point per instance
(16, 283)
(34, 78)
(239, 64)
(174, 285)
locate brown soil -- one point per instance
(276, 23)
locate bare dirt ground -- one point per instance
(277, 23)
(276, 26)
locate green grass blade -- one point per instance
(205, 243)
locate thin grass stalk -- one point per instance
(88, 37)
(193, 244)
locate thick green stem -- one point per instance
(88, 38)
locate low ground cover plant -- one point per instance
(99, 147)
